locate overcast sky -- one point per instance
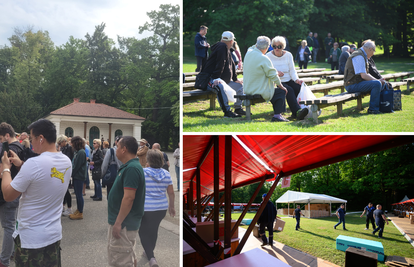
(63, 18)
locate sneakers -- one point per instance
(375, 112)
(230, 114)
(366, 229)
(240, 111)
(281, 118)
(301, 113)
(153, 263)
(335, 227)
(76, 216)
(67, 212)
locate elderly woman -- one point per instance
(283, 61)
(66, 149)
(96, 163)
(343, 58)
(303, 54)
(79, 173)
(335, 54)
(157, 182)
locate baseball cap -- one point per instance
(227, 36)
(264, 195)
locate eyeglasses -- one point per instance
(277, 46)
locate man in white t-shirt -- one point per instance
(42, 181)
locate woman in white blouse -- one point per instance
(283, 62)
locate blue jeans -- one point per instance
(98, 188)
(297, 223)
(341, 220)
(222, 97)
(380, 228)
(315, 53)
(78, 186)
(8, 222)
(368, 86)
(177, 173)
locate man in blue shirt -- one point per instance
(315, 46)
(297, 216)
(379, 220)
(201, 47)
(370, 215)
(341, 216)
(358, 79)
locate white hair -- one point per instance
(369, 44)
(279, 39)
(262, 42)
(345, 48)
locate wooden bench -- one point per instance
(339, 77)
(338, 100)
(191, 94)
(397, 75)
(409, 81)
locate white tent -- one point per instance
(302, 197)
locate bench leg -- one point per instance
(342, 90)
(314, 109)
(339, 109)
(325, 92)
(359, 103)
(408, 87)
(213, 103)
(248, 110)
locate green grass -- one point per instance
(318, 238)
(198, 117)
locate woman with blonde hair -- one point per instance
(157, 182)
(96, 164)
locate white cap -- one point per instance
(227, 36)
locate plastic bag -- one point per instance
(230, 93)
(306, 94)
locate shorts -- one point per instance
(47, 256)
(121, 252)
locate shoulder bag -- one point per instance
(110, 175)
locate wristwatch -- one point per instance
(5, 170)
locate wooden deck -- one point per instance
(404, 225)
(291, 256)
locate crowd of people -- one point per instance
(269, 70)
(37, 171)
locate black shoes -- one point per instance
(230, 114)
(375, 112)
(97, 199)
(88, 187)
(240, 111)
(274, 119)
(301, 113)
(92, 196)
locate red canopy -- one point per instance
(286, 154)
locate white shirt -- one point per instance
(43, 181)
(284, 64)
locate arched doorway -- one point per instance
(118, 133)
(69, 132)
(93, 134)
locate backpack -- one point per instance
(110, 175)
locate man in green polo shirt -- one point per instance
(125, 205)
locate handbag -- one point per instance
(386, 100)
(329, 60)
(202, 80)
(306, 94)
(110, 175)
(397, 100)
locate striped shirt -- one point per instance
(156, 182)
(359, 63)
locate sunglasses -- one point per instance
(277, 46)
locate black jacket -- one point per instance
(68, 151)
(268, 214)
(220, 63)
(97, 158)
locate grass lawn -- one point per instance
(318, 238)
(197, 117)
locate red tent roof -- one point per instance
(288, 154)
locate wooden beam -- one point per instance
(187, 219)
(198, 244)
(216, 209)
(198, 192)
(227, 191)
(190, 198)
(256, 217)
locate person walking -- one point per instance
(379, 220)
(79, 173)
(370, 215)
(157, 182)
(298, 212)
(96, 163)
(341, 216)
(266, 220)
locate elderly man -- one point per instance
(222, 69)
(358, 79)
(315, 46)
(343, 58)
(260, 77)
(380, 220)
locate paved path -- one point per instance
(289, 255)
(84, 241)
(404, 226)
